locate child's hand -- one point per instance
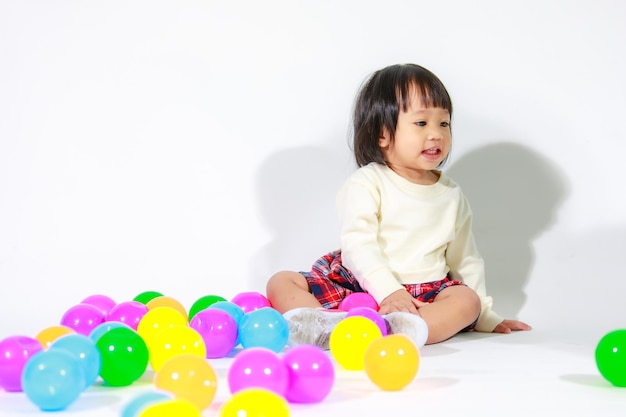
(507, 326)
(400, 300)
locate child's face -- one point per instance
(421, 142)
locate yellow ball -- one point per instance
(165, 301)
(350, 339)
(157, 320)
(188, 377)
(175, 341)
(392, 362)
(255, 402)
(170, 408)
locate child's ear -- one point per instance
(384, 140)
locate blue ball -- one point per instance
(231, 308)
(264, 327)
(53, 379)
(85, 351)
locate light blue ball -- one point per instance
(53, 379)
(264, 327)
(85, 351)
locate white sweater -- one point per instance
(395, 232)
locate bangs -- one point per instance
(429, 90)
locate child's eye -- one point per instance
(421, 123)
(445, 124)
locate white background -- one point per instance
(195, 147)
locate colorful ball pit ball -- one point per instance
(15, 352)
(610, 355)
(84, 350)
(105, 327)
(165, 301)
(218, 329)
(188, 377)
(103, 302)
(255, 402)
(202, 303)
(53, 379)
(250, 301)
(358, 299)
(311, 374)
(175, 341)
(128, 312)
(124, 356)
(83, 318)
(141, 401)
(48, 335)
(146, 296)
(258, 368)
(370, 313)
(264, 327)
(350, 339)
(392, 362)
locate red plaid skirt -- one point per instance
(330, 282)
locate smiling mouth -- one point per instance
(432, 151)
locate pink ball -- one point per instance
(250, 301)
(83, 318)
(218, 329)
(258, 367)
(369, 313)
(128, 312)
(15, 351)
(103, 302)
(358, 299)
(311, 374)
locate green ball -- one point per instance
(611, 357)
(146, 296)
(124, 356)
(202, 303)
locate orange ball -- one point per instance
(392, 362)
(188, 377)
(165, 301)
(48, 335)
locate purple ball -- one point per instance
(311, 374)
(15, 351)
(128, 312)
(83, 318)
(258, 367)
(218, 329)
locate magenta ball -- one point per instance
(258, 368)
(358, 299)
(311, 374)
(103, 302)
(250, 301)
(371, 314)
(15, 351)
(83, 318)
(218, 329)
(128, 312)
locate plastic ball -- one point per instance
(231, 308)
(255, 402)
(105, 327)
(218, 330)
(311, 374)
(165, 301)
(370, 313)
(176, 407)
(124, 356)
(15, 352)
(158, 319)
(392, 362)
(188, 377)
(128, 312)
(83, 318)
(174, 341)
(146, 296)
(250, 301)
(610, 357)
(258, 368)
(53, 379)
(140, 402)
(358, 299)
(264, 327)
(48, 335)
(103, 302)
(84, 351)
(350, 339)
(202, 303)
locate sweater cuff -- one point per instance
(381, 284)
(487, 321)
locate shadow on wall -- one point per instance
(296, 190)
(514, 193)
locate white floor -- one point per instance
(522, 374)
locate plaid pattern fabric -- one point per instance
(330, 282)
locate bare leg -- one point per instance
(287, 290)
(453, 309)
